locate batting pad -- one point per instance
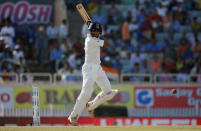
(100, 99)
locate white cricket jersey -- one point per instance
(92, 50)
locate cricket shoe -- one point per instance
(73, 120)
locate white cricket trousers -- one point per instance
(91, 73)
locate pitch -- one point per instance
(99, 128)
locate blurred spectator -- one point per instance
(155, 63)
(195, 38)
(175, 25)
(113, 53)
(22, 65)
(72, 59)
(126, 36)
(153, 4)
(55, 57)
(155, 16)
(6, 67)
(195, 25)
(153, 46)
(188, 53)
(183, 44)
(112, 14)
(68, 74)
(107, 62)
(78, 47)
(143, 45)
(147, 8)
(30, 36)
(135, 11)
(189, 4)
(197, 47)
(198, 4)
(145, 66)
(133, 26)
(18, 53)
(100, 18)
(180, 64)
(182, 76)
(41, 45)
(190, 64)
(136, 58)
(120, 19)
(7, 52)
(124, 53)
(16, 30)
(92, 6)
(2, 46)
(168, 64)
(146, 28)
(52, 32)
(141, 16)
(156, 20)
(77, 71)
(196, 69)
(63, 32)
(63, 61)
(170, 51)
(165, 3)
(8, 33)
(63, 67)
(161, 10)
(2, 23)
(167, 21)
(170, 39)
(136, 70)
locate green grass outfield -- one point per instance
(101, 128)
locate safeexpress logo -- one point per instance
(144, 97)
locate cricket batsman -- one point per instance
(92, 72)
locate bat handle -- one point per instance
(88, 23)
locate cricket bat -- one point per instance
(83, 13)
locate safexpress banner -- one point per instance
(102, 121)
(62, 97)
(26, 11)
(162, 97)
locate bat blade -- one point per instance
(83, 13)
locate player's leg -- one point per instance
(106, 94)
(85, 95)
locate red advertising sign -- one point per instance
(24, 12)
(107, 121)
(162, 97)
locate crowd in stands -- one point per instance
(150, 36)
(146, 37)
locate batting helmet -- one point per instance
(95, 27)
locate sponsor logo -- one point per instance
(23, 12)
(144, 97)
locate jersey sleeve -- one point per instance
(98, 42)
(95, 41)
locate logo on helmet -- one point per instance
(97, 25)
